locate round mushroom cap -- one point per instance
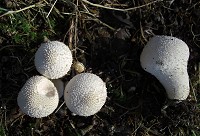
(53, 59)
(59, 84)
(38, 97)
(85, 94)
(166, 58)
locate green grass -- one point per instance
(23, 31)
(195, 133)
(2, 130)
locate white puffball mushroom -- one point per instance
(85, 94)
(166, 58)
(59, 84)
(38, 97)
(53, 59)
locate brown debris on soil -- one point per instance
(107, 37)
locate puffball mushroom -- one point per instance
(79, 67)
(53, 59)
(166, 58)
(38, 97)
(58, 83)
(85, 94)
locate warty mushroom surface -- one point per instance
(85, 94)
(38, 97)
(166, 58)
(53, 59)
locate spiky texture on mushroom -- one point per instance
(53, 59)
(38, 97)
(166, 58)
(85, 94)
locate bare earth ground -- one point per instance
(107, 36)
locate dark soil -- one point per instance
(108, 43)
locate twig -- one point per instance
(9, 46)
(51, 8)
(59, 107)
(96, 19)
(119, 9)
(129, 109)
(20, 10)
(66, 13)
(71, 31)
(75, 28)
(192, 6)
(142, 32)
(194, 94)
(99, 21)
(85, 7)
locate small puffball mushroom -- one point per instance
(166, 58)
(85, 94)
(59, 84)
(79, 67)
(38, 97)
(53, 59)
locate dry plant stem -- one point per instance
(96, 19)
(75, 29)
(5, 118)
(194, 35)
(73, 126)
(70, 39)
(85, 7)
(72, 32)
(99, 21)
(118, 5)
(51, 9)
(142, 32)
(194, 94)
(8, 46)
(59, 107)
(119, 9)
(39, 4)
(88, 13)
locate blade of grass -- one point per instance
(3, 9)
(119, 9)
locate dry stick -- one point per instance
(194, 94)
(60, 107)
(69, 30)
(17, 11)
(142, 32)
(51, 8)
(96, 19)
(7, 46)
(75, 28)
(70, 39)
(99, 21)
(118, 9)
(85, 7)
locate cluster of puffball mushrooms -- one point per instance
(84, 94)
(165, 57)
